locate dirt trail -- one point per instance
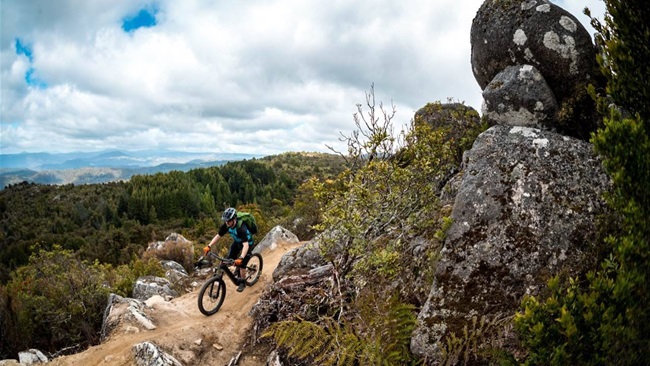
(182, 331)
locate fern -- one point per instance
(385, 342)
(476, 342)
(327, 343)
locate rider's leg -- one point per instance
(233, 253)
(242, 270)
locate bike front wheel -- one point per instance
(254, 269)
(212, 295)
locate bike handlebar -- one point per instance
(223, 260)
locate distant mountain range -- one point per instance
(104, 166)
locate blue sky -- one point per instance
(259, 76)
(145, 18)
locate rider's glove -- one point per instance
(238, 262)
(206, 250)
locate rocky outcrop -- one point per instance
(543, 35)
(180, 249)
(148, 286)
(274, 237)
(456, 119)
(525, 210)
(305, 257)
(32, 357)
(125, 310)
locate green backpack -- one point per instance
(249, 219)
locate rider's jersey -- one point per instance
(239, 234)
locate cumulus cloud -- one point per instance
(262, 76)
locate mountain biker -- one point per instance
(240, 247)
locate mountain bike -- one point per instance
(213, 291)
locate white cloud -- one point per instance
(267, 76)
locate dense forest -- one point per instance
(112, 222)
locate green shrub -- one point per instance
(123, 277)
(56, 301)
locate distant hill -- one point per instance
(104, 166)
(112, 159)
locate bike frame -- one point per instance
(224, 267)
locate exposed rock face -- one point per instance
(519, 96)
(526, 209)
(148, 286)
(148, 354)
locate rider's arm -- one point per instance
(222, 231)
(244, 250)
(242, 233)
(214, 240)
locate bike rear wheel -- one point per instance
(212, 295)
(254, 269)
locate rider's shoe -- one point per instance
(242, 286)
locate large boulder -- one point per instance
(177, 275)
(535, 32)
(171, 239)
(519, 96)
(531, 32)
(525, 211)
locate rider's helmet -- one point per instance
(229, 214)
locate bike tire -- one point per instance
(254, 269)
(212, 295)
